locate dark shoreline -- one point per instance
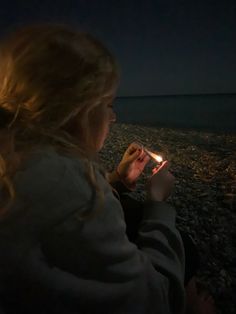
(181, 128)
(213, 113)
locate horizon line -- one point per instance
(173, 95)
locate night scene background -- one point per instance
(179, 55)
(177, 95)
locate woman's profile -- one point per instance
(63, 241)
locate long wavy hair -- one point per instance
(51, 76)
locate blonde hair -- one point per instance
(50, 76)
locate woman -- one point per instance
(63, 243)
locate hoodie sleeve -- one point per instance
(91, 263)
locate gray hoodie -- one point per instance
(51, 261)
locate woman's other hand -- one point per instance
(132, 164)
(161, 183)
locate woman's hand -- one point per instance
(132, 165)
(161, 183)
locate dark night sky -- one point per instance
(163, 47)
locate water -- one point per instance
(204, 112)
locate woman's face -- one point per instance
(100, 121)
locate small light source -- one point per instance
(157, 158)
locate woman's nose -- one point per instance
(113, 117)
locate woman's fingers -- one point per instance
(143, 156)
(133, 147)
(146, 159)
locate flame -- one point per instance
(157, 158)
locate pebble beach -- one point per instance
(204, 166)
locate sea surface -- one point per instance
(204, 112)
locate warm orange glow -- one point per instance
(157, 158)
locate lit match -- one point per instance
(157, 158)
(154, 156)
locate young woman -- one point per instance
(63, 241)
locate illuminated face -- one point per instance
(100, 120)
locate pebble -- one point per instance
(215, 238)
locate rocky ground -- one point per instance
(204, 165)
